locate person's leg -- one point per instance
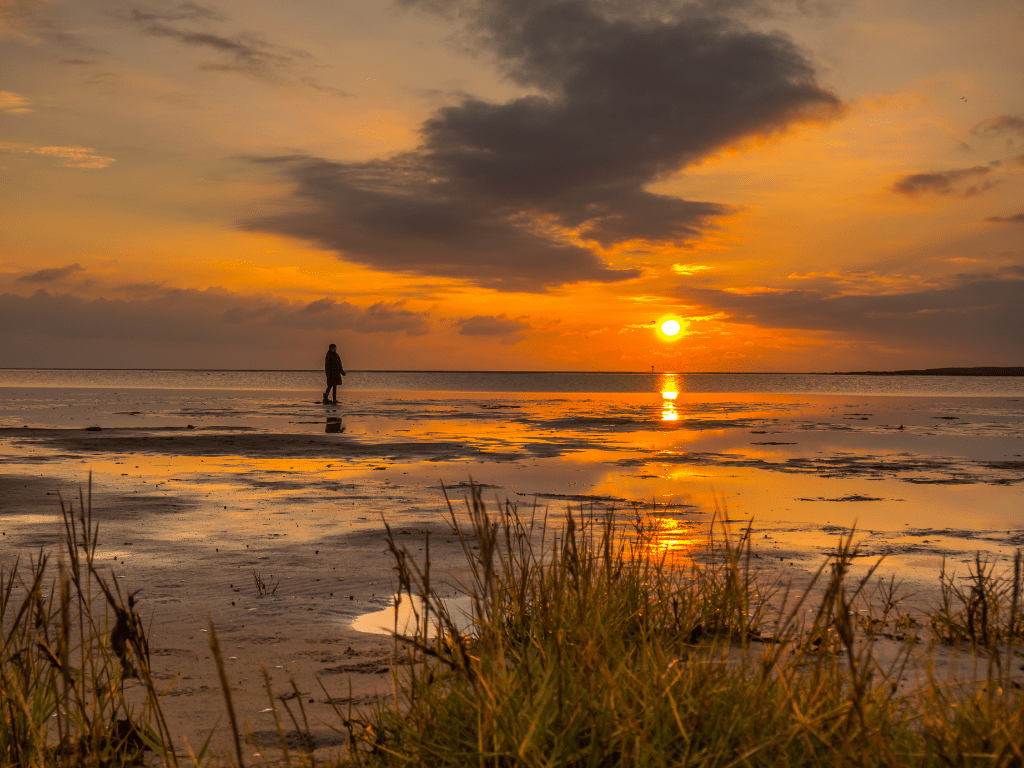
(334, 393)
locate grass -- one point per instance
(75, 681)
(588, 651)
(589, 646)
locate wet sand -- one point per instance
(193, 491)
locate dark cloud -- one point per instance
(1017, 218)
(981, 313)
(1001, 124)
(490, 325)
(178, 316)
(329, 314)
(944, 182)
(520, 195)
(53, 275)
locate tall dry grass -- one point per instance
(587, 651)
(76, 687)
(587, 648)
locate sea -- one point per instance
(925, 467)
(521, 382)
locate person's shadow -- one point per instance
(334, 424)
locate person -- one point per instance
(334, 370)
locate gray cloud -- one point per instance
(212, 316)
(982, 313)
(491, 325)
(493, 191)
(180, 12)
(37, 20)
(245, 53)
(943, 182)
(1001, 124)
(1017, 218)
(53, 275)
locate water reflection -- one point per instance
(405, 614)
(669, 393)
(673, 538)
(334, 424)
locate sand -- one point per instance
(194, 492)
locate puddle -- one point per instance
(384, 622)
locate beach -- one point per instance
(199, 491)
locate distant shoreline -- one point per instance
(978, 371)
(981, 371)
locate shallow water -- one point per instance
(407, 616)
(518, 381)
(921, 477)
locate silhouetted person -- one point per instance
(334, 370)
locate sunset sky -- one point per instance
(512, 184)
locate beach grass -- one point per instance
(590, 644)
(75, 682)
(589, 649)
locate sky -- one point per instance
(805, 185)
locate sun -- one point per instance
(670, 328)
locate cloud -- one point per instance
(13, 103)
(1001, 124)
(329, 314)
(74, 157)
(56, 274)
(982, 313)
(689, 269)
(523, 195)
(491, 325)
(1017, 218)
(180, 12)
(245, 53)
(943, 182)
(206, 317)
(35, 21)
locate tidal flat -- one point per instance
(199, 493)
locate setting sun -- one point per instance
(670, 327)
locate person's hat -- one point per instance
(333, 346)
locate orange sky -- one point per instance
(512, 185)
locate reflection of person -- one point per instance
(334, 370)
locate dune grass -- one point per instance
(75, 681)
(587, 650)
(590, 646)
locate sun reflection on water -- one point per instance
(669, 393)
(672, 540)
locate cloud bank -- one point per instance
(187, 316)
(523, 195)
(980, 313)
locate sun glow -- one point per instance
(670, 328)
